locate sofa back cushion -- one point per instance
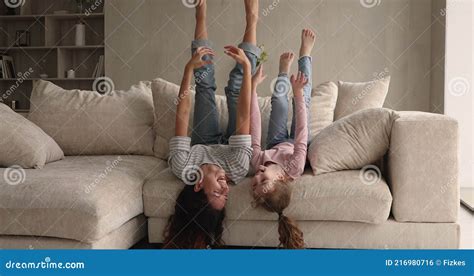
(353, 142)
(24, 144)
(88, 123)
(165, 99)
(353, 97)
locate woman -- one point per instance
(285, 157)
(209, 160)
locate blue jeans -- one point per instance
(278, 127)
(206, 118)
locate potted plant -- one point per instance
(81, 5)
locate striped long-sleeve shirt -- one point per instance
(234, 158)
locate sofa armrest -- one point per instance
(423, 168)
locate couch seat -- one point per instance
(338, 196)
(79, 198)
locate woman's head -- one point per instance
(213, 182)
(277, 201)
(195, 223)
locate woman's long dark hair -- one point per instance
(194, 224)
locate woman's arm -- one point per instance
(184, 101)
(255, 114)
(243, 105)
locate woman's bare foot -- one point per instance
(308, 38)
(252, 10)
(286, 59)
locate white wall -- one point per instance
(459, 99)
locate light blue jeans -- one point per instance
(206, 118)
(278, 127)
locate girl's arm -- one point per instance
(301, 128)
(243, 105)
(184, 101)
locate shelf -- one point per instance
(53, 16)
(44, 48)
(51, 79)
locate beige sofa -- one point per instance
(114, 201)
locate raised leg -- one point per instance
(278, 125)
(308, 38)
(206, 118)
(249, 45)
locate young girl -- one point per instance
(285, 157)
(209, 160)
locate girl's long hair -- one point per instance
(194, 224)
(291, 237)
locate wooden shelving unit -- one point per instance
(51, 50)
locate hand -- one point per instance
(197, 60)
(237, 54)
(298, 83)
(258, 78)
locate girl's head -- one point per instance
(195, 224)
(265, 178)
(277, 200)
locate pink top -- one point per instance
(291, 157)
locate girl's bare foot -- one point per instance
(201, 9)
(286, 59)
(308, 38)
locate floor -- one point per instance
(466, 220)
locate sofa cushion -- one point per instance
(88, 123)
(353, 142)
(80, 198)
(323, 105)
(165, 99)
(24, 144)
(353, 97)
(338, 196)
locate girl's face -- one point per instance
(214, 184)
(264, 179)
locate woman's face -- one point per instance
(214, 184)
(262, 182)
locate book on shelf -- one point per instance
(7, 67)
(99, 70)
